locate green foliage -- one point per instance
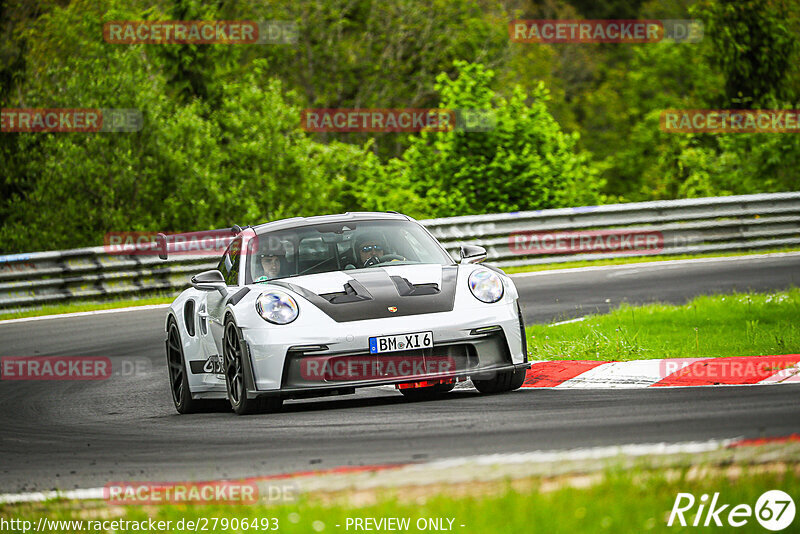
(754, 45)
(576, 124)
(375, 54)
(641, 159)
(192, 166)
(524, 162)
(644, 163)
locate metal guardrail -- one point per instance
(748, 222)
(688, 226)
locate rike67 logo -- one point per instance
(774, 510)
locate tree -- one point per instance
(193, 165)
(755, 46)
(524, 162)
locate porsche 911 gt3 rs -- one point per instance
(317, 306)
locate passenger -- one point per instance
(270, 261)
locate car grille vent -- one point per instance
(407, 289)
(353, 292)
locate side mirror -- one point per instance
(472, 254)
(210, 281)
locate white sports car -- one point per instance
(318, 306)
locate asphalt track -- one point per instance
(65, 435)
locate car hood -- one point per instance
(376, 292)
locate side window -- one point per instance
(229, 264)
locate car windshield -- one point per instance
(341, 246)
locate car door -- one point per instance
(229, 266)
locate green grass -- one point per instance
(741, 324)
(639, 259)
(621, 501)
(55, 309)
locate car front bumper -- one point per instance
(477, 342)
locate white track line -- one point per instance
(592, 453)
(85, 313)
(654, 264)
(575, 320)
(40, 496)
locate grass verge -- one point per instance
(619, 501)
(56, 309)
(740, 324)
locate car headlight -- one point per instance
(486, 286)
(277, 307)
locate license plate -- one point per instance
(416, 340)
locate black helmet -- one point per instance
(270, 246)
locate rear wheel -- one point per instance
(234, 363)
(179, 380)
(501, 382)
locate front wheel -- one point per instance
(234, 363)
(179, 380)
(501, 382)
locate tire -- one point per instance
(179, 380)
(502, 382)
(430, 392)
(233, 366)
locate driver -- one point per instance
(370, 249)
(270, 259)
